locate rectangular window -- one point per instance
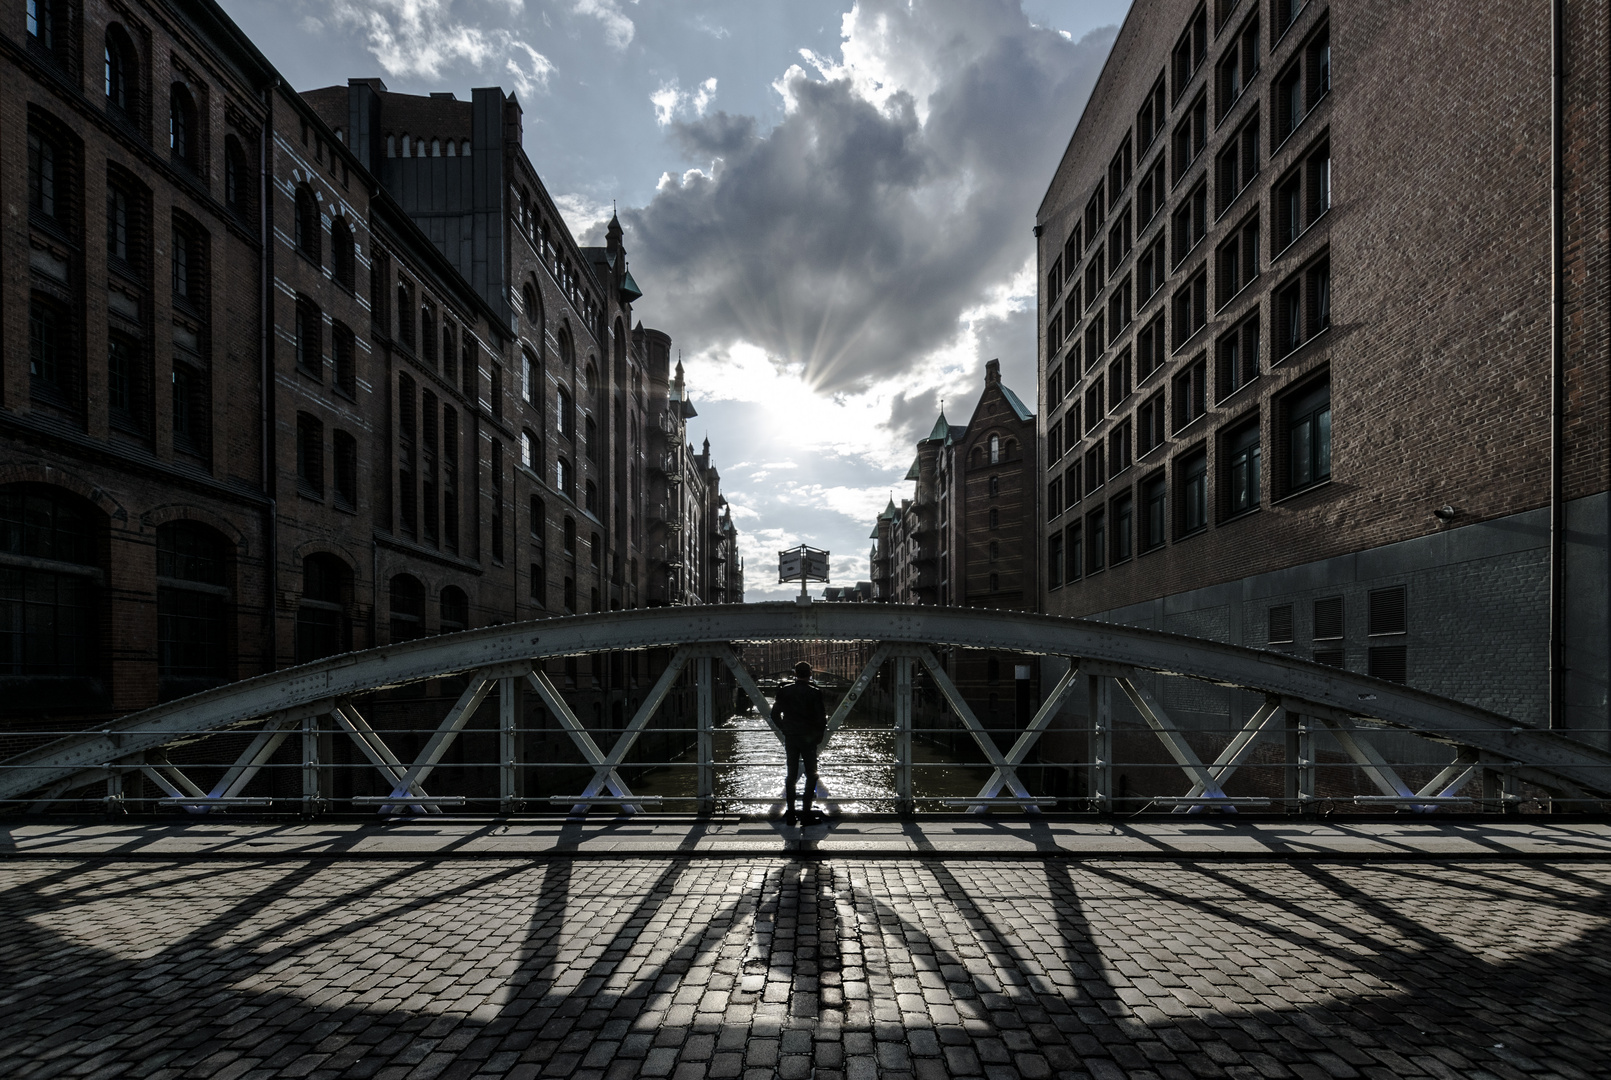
(1054, 278)
(1095, 212)
(1074, 554)
(1054, 560)
(1119, 307)
(1071, 484)
(1317, 179)
(1289, 209)
(1284, 14)
(1095, 403)
(1150, 431)
(1280, 625)
(309, 456)
(1123, 527)
(1241, 454)
(1054, 499)
(1096, 551)
(1151, 270)
(1237, 358)
(344, 359)
(1154, 111)
(1151, 349)
(1095, 339)
(1193, 484)
(191, 415)
(1189, 51)
(1190, 393)
(1154, 512)
(1317, 289)
(1119, 444)
(1054, 387)
(1120, 238)
(1190, 308)
(1119, 171)
(1288, 304)
(1289, 110)
(1190, 223)
(1237, 164)
(1317, 59)
(1054, 442)
(346, 469)
(1119, 380)
(1308, 430)
(309, 338)
(1236, 262)
(1151, 192)
(1191, 136)
(1388, 612)
(1054, 335)
(125, 383)
(1071, 311)
(1095, 470)
(1072, 247)
(1095, 275)
(1328, 612)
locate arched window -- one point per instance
(405, 314)
(307, 225)
(452, 148)
(567, 535)
(343, 253)
(591, 502)
(405, 146)
(192, 609)
(562, 477)
(995, 518)
(322, 628)
(122, 72)
(995, 550)
(408, 608)
(464, 148)
(238, 179)
(450, 354)
(995, 450)
(528, 298)
(183, 136)
(455, 610)
(391, 146)
(428, 334)
(436, 147)
(50, 589)
(528, 449)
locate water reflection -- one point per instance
(857, 770)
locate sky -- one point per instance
(828, 205)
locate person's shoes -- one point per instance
(790, 818)
(813, 817)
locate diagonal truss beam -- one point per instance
(987, 744)
(857, 688)
(1031, 735)
(1236, 753)
(611, 779)
(379, 754)
(604, 771)
(1366, 756)
(431, 753)
(255, 756)
(1172, 739)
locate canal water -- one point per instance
(857, 771)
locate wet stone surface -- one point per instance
(858, 969)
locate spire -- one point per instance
(942, 427)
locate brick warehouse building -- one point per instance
(291, 374)
(1298, 352)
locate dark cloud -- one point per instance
(852, 237)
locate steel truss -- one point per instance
(316, 700)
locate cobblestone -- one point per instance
(826, 969)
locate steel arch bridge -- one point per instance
(319, 697)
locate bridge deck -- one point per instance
(646, 837)
(417, 968)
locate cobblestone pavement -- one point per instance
(857, 969)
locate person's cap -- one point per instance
(803, 670)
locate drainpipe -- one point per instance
(1557, 492)
(271, 545)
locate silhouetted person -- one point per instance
(802, 720)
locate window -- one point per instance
(1074, 553)
(1237, 357)
(192, 419)
(1096, 530)
(1317, 179)
(47, 176)
(1054, 560)
(1191, 136)
(1151, 192)
(407, 608)
(1071, 483)
(1237, 69)
(50, 583)
(1119, 380)
(1189, 51)
(1095, 212)
(564, 479)
(238, 180)
(1054, 335)
(428, 335)
(1154, 111)
(1095, 339)
(1123, 527)
(346, 469)
(1317, 56)
(450, 354)
(450, 479)
(1237, 164)
(188, 253)
(565, 414)
(122, 73)
(1119, 171)
(309, 456)
(407, 491)
(1054, 442)
(309, 338)
(1289, 209)
(1054, 386)
(1096, 403)
(590, 497)
(455, 610)
(307, 224)
(1151, 270)
(1303, 305)
(995, 449)
(994, 486)
(1288, 97)
(405, 314)
(1190, 223)
(343, 253)
(1119, 307)
(1150, 430)
(1151, 349)
(1119, 443)
(1054, 498)
(495, 389)
(1308, 429)
(528, 449)
(49, 29)
(568, 535)
(495, 521)
(570, 595)
(1285, 13)
(1190, 393)
(591, 441)
(1241, 478)
(595, 550)
(321, 619)
(52, 370)
(1280, 625)
(184, 135)
(1095, 275)
(343, 358)
(1328, 613)
(192, 605)
(1120, 238)
(125, 383)
(1095, 467)
(1191, 308)
(1154, 504)
(1193, 485)
(125, 227)
(1237, 261)
(1054, 278)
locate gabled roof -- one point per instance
(1017, 406)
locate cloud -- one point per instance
(866, 234)
(618, 29)
(424, 38)
(671, 101)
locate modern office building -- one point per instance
(1323, 344)
(289, 374)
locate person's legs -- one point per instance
(791, 758)
(808, 753)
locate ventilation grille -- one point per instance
(1330, 657)
(1281, 624)
(1387, 611)
(1329, 619)
(1389, 662)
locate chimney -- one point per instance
(992, 372)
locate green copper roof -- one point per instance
(1017, 405)
(889, 511)
(629, 290)
(911, 474)
(874, 534)
(941, 430)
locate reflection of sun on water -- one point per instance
(857, 764)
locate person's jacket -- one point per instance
(799, 712)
